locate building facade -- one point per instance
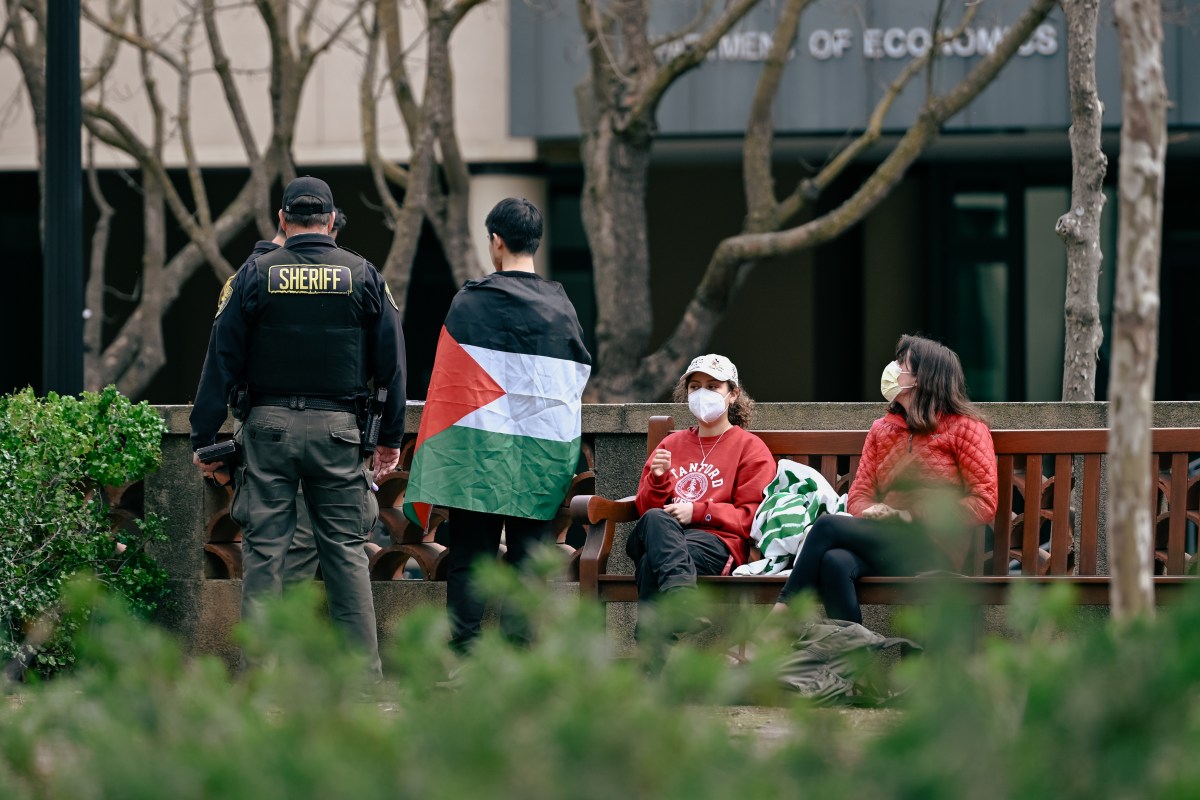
(963, 249)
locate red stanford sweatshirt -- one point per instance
(723, 477)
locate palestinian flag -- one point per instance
(500, 431)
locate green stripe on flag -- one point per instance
(496, 473)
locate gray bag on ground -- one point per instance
(834, 661)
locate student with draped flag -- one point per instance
(500, 433)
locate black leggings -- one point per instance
(840, 549)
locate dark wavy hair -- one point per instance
(741, 410)
(941, 386)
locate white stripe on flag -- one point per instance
(542, 395)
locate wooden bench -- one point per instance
(408, 542)
(1035, 469)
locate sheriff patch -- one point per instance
(388, 291)
(309, 279)
(226, 293)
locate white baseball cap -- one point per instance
(719, 367)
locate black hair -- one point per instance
(339, 221)
(518, 222)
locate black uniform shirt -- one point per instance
(224, 365)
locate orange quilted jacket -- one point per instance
(959, 453)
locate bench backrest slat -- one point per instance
(1177, 530)
(1090, 515)
(1032, 516)
(1004, 506)
(1061, 533)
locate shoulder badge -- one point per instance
(226, 293)
(386, 290)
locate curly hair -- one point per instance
(741, 411)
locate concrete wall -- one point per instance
(205, 610)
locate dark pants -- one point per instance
(475, 535)
(283, 449)
(300, 564)
(840, 549)
(668, 556)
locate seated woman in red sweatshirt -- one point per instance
(931, 449)
(699, 490)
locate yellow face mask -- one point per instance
(889, 382)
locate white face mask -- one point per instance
(889, 382)
(707, 405)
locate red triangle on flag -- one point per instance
(458, 386)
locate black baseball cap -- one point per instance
(312, 187)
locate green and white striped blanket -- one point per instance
(791, 504)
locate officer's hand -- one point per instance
(207, 469)
(386, 460)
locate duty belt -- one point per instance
(297, 403)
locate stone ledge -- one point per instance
(631, 418)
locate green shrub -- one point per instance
(1064, 712)
(56, 456)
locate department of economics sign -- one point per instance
(824, 44)
(841, 63)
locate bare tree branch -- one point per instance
(382, 170)
(335, 35)
(116, 13)
(304, 29)
(688, 29)
(933, 50)
(597, 35)
(184, 120)
(233, 97)
(93, 324)
(811, 188)
(387, 18)
(459, 9)
(692, 56)
(758, 178)
(138, 40)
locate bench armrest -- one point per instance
(599, 517)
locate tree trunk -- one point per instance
(614, 217)
(1079, 228)
(1135, 318)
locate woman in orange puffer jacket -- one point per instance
(926, 466)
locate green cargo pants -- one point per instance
(283, 449)
(301, 561)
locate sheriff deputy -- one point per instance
(305, 328)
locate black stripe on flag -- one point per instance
(517, 312)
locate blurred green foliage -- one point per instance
(1060, 710)
(56, 455)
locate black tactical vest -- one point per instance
(309, 337)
